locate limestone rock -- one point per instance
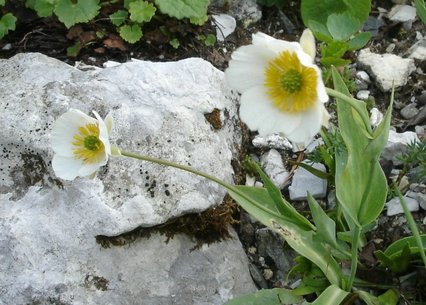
(180, 111)
(304, 182)
(397, 145)
(387, 68)
(394, 206)
(273, 166)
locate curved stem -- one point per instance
(354, 252)
(189, 169)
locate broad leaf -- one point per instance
(71, 12)
(342, 26)
(276, 296)
(44, 8)
(118, 17)
(262, 208)
(333, 295)
(7, 23)
(361, 185)
(141, 11)
(183, 8)
(359, 41)
(131, 33)
(1, 2)
(390, 297)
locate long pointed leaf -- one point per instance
(333, 295)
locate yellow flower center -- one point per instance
(88, 146)
(291, 86)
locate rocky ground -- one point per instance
(404, 38)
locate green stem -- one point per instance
(354, 252)
(356, 104)
(189, 169)
(412, 225)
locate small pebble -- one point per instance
(394, 206)
(363, 94)
(268, 274)
(375, 117)
(409, 111)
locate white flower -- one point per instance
(81, 144)
(281, 88)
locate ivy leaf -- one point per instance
(131, 33)
(44, 8)
(183, 8)
(141, 11)
(81, 11)
(7, 23)
(118, 17)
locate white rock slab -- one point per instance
(159, 109)
(49, 255)
(397, 145)
(225, 25)
(420, 197)
(273, 166)
(48, 251)
(402, 13)
(394, 206)
(418, 50)
(304, 182)
(274, 141)
(387, 68)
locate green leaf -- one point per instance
(183, 8)
(359, 41)
(45, 8)
(342, 26)
(210, 40)
(276, 296)
(326, 227)
(315, 15)
(198, 20)
(2, 2)
(361, 185)
(258, 203)
(73, 50)
(390, 297)
(71, 12)
(141, 11)
(131, 33)
(333, 295)
(7, 23)
(396, 247)
(118, 17)
(421, 9)
(281, 205)
(174, 43)
(397, 263)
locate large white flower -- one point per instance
(281, 88)
(81, 144)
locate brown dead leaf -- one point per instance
(115, 42)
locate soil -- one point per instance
(50, 37)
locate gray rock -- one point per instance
(158, 108)
(48, 227)
(387, 68)
(363, 94)
(397, 145)
(272, 141)
(409, 111)
(394, 206)
(420, 197)
(273, 166)
(271, 247)
(418, 50)
(304, 182)
(376, 117)
(403, 13)
(225, 25)
(247, 11)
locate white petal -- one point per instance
(310, 125)
(64, 129)
(65, 167)
(321, 91)
(307, 41)
(275, 45)
(247, 67)
(259, 113)
(88, 169)
(109, 122)
(103, 133)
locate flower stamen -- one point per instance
(291, 85)
(88, 146)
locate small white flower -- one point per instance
(81, 144)
(281, 88)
